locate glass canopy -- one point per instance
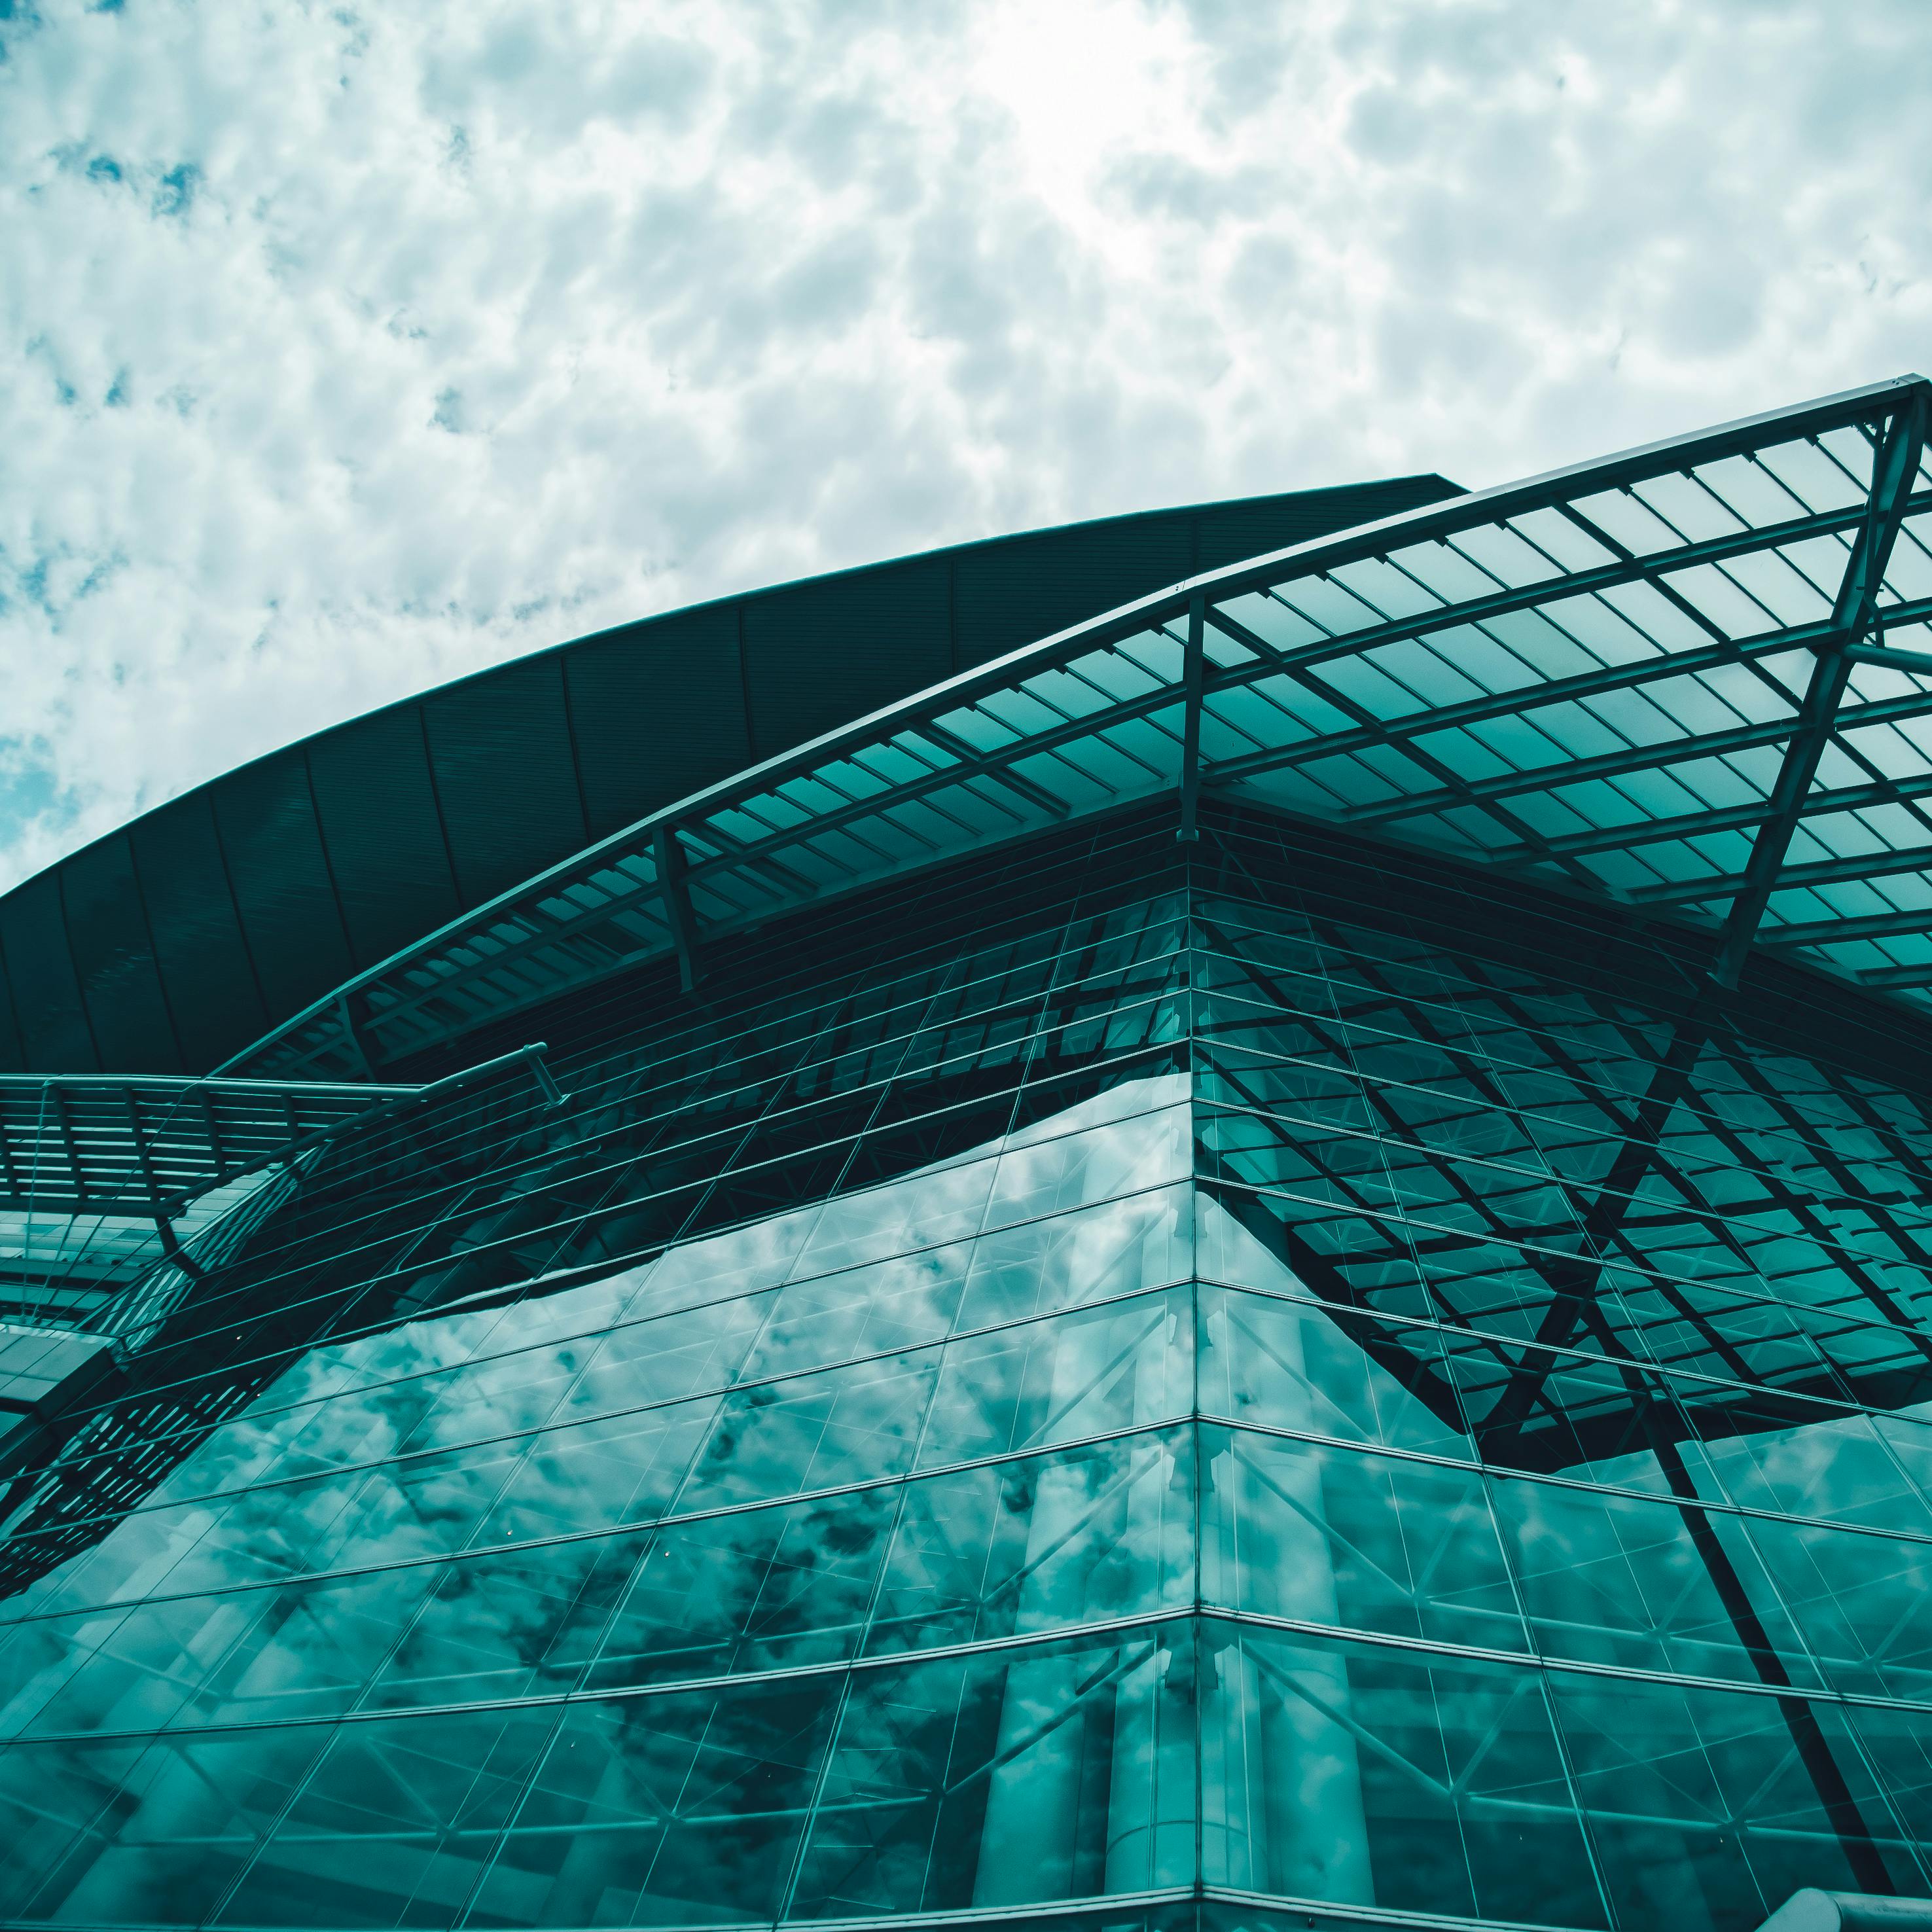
(1694, 680)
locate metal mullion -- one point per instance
(1897, 978)
(1036, 795)
(1650, 571)
(848, 828)
(1816, 439)
(1912, 1254)
(645, 1526)
(1527, 1663)
(1731, 439)
(1094, 725)
(1257, 693)
(1502, 644)
(1168, 694)
(1779, 1196)
(499, 1355)
(1869, 925)
(1900, 792)
(65, 1127)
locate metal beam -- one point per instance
(1897, 978)
(1838, 932)
(1627, 569)
(673, 883)
(171, 1247)
(1892, 657)
(1877, 865)
(1895, 469)
(1726, 818)
(1513, 703)
(1639, 758)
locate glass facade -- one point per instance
(1253, 1382)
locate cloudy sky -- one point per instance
(346, 349)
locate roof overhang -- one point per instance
(1693, 680)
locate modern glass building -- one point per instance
(1221, 1221)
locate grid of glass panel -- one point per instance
(1198, 1376)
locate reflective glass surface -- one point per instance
(1242, 1384)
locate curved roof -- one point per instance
(1693, 680)
(169, 947)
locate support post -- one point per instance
(668, 850)
(1194, 679)
(351, 1026)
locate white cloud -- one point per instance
(343, 352)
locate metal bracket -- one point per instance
(171, 1247)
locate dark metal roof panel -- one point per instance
(212, 992)
(265, 815)
(841, 646)
(657, 711)
(383, 827)
(341, 850)
(1038, 585)
(41, 971)
(114, 960)
(506, 774)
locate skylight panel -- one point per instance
(1693, 514)
(1908, 575)
(1811, 476)
(1390, 592)
(1426, 671)
(1626, 520)
(1889, 748)
(1651, 610)
(1783, 595)
(1368, 685)
(1750, 491)
(1440, 569)
(1320, 715)
(1328, 605)
(1498, 550)
(1273, 621)
(1599, 629)
(1280, 713)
